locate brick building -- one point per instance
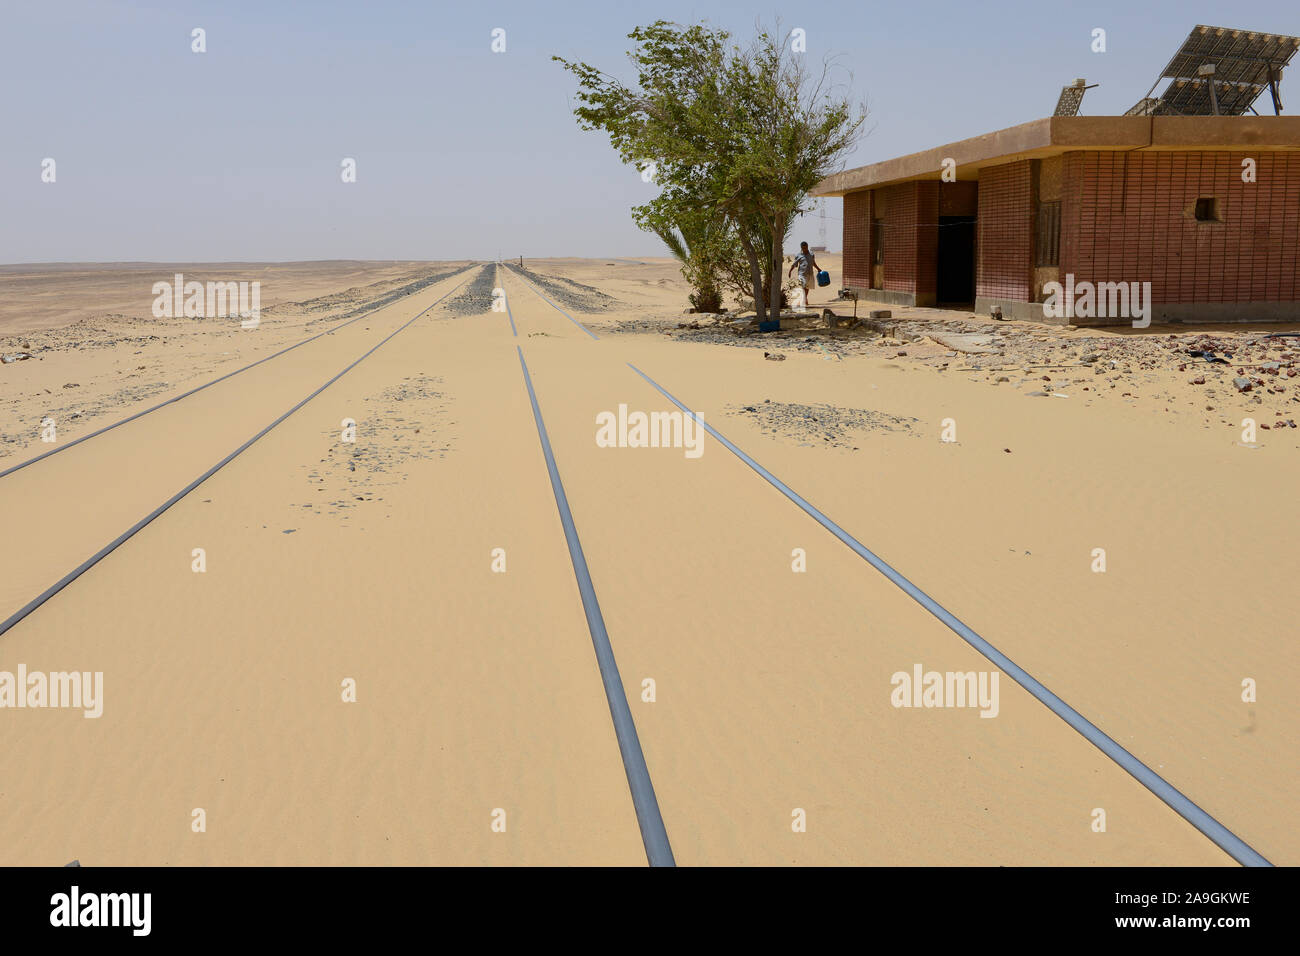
(1204, 208)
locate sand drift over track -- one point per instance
(356, 316)
(575, 295)
(139, 525)
(379, 301)
(382, 613)
(475, 298)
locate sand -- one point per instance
(40, 297)
(477, 690)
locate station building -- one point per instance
(1206, 209)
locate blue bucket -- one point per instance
(823, 278)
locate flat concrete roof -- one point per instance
(1064, 134)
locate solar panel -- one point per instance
(1144, 107)
(1220, 71)
(1071, 99)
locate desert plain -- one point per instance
(365, 644)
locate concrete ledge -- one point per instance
(1224, 312)
(1015, 309)
(891, 297)
(797, 320)
(1191, 312)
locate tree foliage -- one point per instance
(735, 137)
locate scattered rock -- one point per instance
(829, 424)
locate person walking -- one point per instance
(806, 263)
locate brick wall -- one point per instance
(1005, 232)
(1126, 217)
(927, 240)
(857, 239)
(910, 212)
(898, 210)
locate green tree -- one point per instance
(736, 136)
(698, 242)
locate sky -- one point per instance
(235, 154)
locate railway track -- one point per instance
(505, 300)
(654, 834)
(1206, 824)
(524, 279)
(206, 385)
(68, 578)
(649, 819)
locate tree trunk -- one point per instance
(756, 274)
(778, 260)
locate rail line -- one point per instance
(130, 532)
(506, 299)
(653, 834)
(176, 398)
(1177, 801)
(513, 271)
(1224, 838)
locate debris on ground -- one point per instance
(1116, 361)
(822, 425)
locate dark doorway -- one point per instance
(956, 265)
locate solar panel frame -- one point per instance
(1144, 107)
(1244, 61)
(1070, 102)
(1191, 97)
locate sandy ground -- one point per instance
(477, 690)
(39, 297)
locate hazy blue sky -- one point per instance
(164, 154)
